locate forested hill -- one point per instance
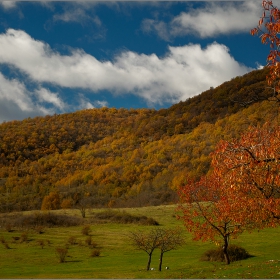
(34, 138)
(109, 157)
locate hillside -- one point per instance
(109, 157)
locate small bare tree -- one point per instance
(164, 239)
(61, 253)
(147, 242)
(82, 205)
(168, 239)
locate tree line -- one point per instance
(121, 172)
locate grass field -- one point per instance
(118, 259)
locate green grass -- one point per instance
(119, 259)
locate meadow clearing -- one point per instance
(32, 253)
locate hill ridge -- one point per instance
(122, 157)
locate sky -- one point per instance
(58, 57)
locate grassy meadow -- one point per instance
(36, 257)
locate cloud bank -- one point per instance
(214, 19)
(181, 73)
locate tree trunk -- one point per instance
(225, 250)
(149, 261)
(160, 261)
(83, 212)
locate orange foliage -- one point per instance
(269, 29)
(66, 203)
(134, 157)
(250, 166)
(51, 201)
(209, 213)
(241, 192)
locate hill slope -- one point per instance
(122, 157)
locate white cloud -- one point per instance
(218, 18)
(16, 102)
(99, 103)
(214, 19)
(44, 95)
(83, 102)
(183, 72)
(161, 28)
(81, 13)
(8, 4)
(77, 14)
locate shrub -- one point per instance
(41, 243)
(124, 218)
(88, 240)
(72, 240)
(8, 227)
(149, 221)
(7, 245)
(93, 244)
(44, 219)
(61, 253)
(39, 229)
(2, 239)
(86, 230)
(235, 252)
(95, 253)
(16, 238)
(23, 237)
(4, 242)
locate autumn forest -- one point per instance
(120, 158)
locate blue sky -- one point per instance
(58, 57)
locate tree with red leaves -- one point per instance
(209, 213)
(243, 189)
(241, 193)
(269, 28)
(251, 167)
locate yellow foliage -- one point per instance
(51, 201)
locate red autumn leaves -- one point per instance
(242, 192)
(269, 28)
(242, 189)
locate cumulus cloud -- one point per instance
(183, 72)
(16, 102)
(83, 102)
(44, 95)
(217, 18)
(214, 19)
